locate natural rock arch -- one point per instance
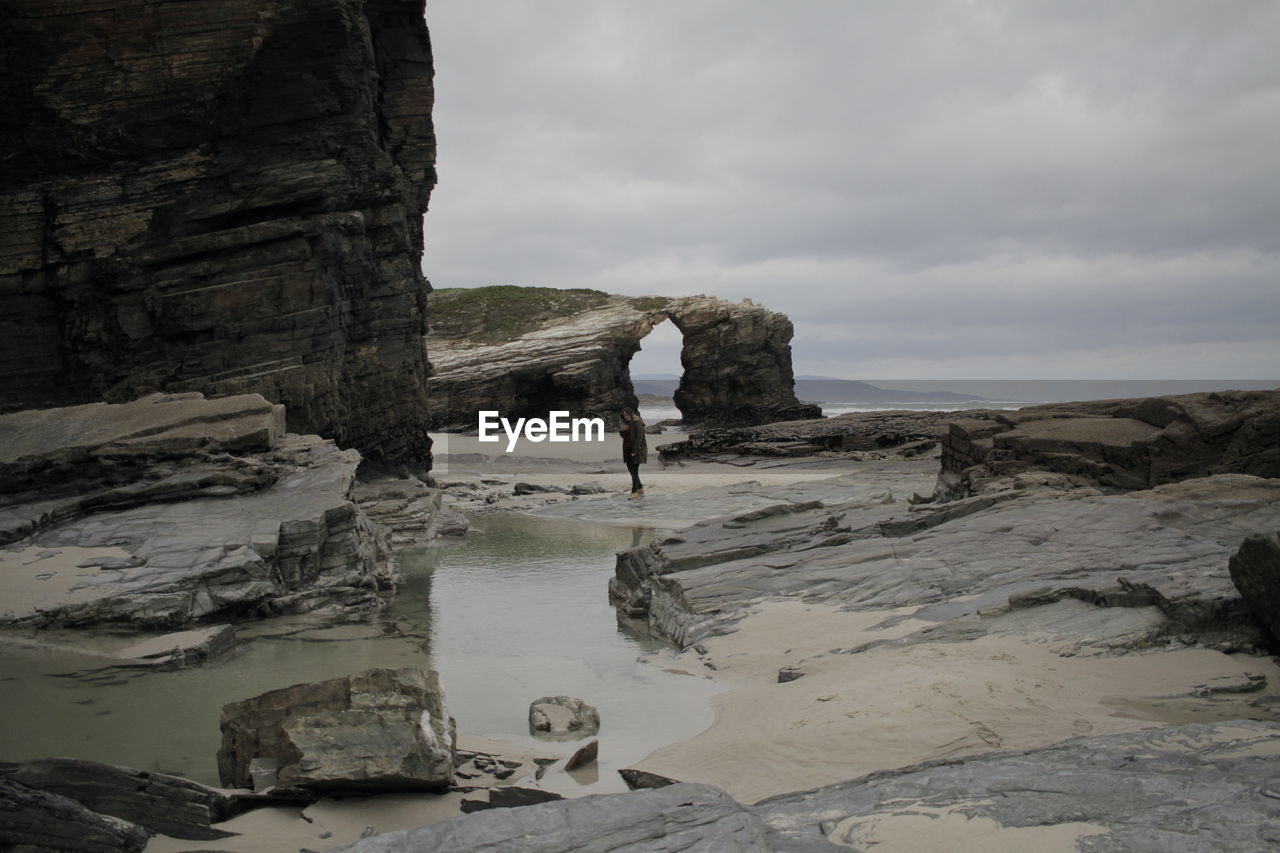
(736, 359)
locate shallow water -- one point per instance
(516, 611)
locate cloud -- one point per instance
(1069, 186)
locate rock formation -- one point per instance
(904, 433)
(678, 817)
(562, 716)
(222, 196)
(1255, 570)
(380, 730)
(736, 357)
(1128, 444)
(173, 509)
(153, 802)
(1032, 551)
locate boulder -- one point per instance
(678, 817)
(380, 730)
(1255, 570)
(560, 716)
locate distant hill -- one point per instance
(829, 391)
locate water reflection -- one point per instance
(516, 611)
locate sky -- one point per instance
(949, 190)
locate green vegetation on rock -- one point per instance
(504, 312)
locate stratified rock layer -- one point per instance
(678, 817)
(223, 196)
(1129, 444)
(1161, 555)
(1208, 787)
(380, 730)
(174, 509)
(736, 359)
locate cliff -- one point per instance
(525, 351)
(222, 196)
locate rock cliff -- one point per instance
(527, 351)
(223, 196)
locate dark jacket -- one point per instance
(634, 444)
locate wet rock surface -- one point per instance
(1208, 787)
(154, 802)
(166, 230)
(380, 730)
(173, 509)
(737, 357)
(1166, 548)
(678, 817)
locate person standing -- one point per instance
(635, 448)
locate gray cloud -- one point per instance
(1075, 188)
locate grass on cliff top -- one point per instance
(501, 313)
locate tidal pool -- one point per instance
(515, 611)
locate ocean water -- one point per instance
(1004, 394)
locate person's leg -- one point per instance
(634, 467)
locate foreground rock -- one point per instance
(678, 817)
(1209, 787)
(172, 509)
(526, 351)
(31, 819)
(1161, 552)
(1255, 570)
(381, 730)
(155, 802)
(1128, 444)
(166, 232)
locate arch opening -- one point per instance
(655, 371)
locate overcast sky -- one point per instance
(1014, 189)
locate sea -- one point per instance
(837, 396)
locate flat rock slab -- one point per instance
(695, 818)
(1167, 547)
(1211, 788)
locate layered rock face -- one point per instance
(1129, 444)
(380, 730)
(736, 359)
(174, 509)
(223, 196)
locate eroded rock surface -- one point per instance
(559, 716)
(1207, 787)
(900, 433)
(223, 196)
(677, 817)
(1165, 549)
(380, 730)
(737, 362)
(153, 802)
(1128, 444)
(173, 509)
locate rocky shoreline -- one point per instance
(846, 597)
